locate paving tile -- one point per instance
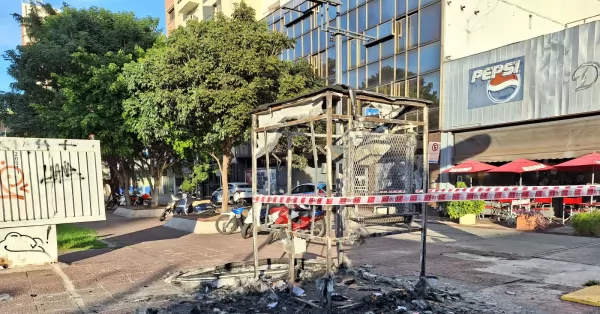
(63, 305)
(85, 283)
(51, 288)
(24, 309)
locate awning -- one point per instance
(567, 138)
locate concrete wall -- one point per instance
(34, 245)
(474, 26)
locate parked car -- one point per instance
(239, 193)
(309, 188)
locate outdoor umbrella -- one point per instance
(470, 166)
(522, 165)
(583, 163)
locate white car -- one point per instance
(239, 193)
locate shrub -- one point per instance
(590, 283)
(586, 223)
(459, 209)
(541, 223)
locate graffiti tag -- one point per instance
(586, 75)
(65, 144)
(16, 242)
(57, 172)
(15, 181)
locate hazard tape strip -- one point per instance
(490, 193)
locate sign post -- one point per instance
(434, 152)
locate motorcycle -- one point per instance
(187, 206)
(115, 200)
(302, 220)
(264, 219)
(228, 223)
(138, 199)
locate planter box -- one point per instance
(139, 213)
(469, 219)
(526, 223)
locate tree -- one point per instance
(67, 79)
(197, 89)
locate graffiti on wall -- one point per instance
(16, 242)
(12, 180)
(586, 75)
(58, 173)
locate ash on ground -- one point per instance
(355, 291)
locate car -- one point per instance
(239, 193)
(309, 188)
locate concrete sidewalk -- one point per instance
(484, 262)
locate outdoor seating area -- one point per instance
(507, 210)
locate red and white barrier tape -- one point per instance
(490, 193)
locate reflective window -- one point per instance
(362, 54)
(412, 88)
(373, 13)
(430, 20)
(331, 61)
(385, 29)
(306, 25)
(352, 21)
(412, 61)
(344, 54)
(413, 31)
(430, 87)
(373, 74)
(385, 89)
(323, 60)
(387, 48)
(353, 53)
(360, 2)
(351, 4)
(373, 53)
(387, 70)
(434, 119)
(298, 48)
(344, 21)
(362, 77)
(400, 66)
(372, 32)
(400, 8)
(315, 42)
(352, 78)
(322, 40)
(362, 19)
(430, 57)
(331, 80)
(412, 5)
(387, 9)
(344, 6)
(426, 2)
(402, 36)
(306, 44)
(332, 12)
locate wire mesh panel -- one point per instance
(379, 164)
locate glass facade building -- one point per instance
(403, 59)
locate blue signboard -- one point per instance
(496, 83)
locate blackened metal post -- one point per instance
(292, 253)
(425, 188)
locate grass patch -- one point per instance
(71, 237)
(590, 283)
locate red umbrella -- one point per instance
(470, 166)
(522, 165)
(582, 163)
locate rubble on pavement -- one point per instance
(352, 291)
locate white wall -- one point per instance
(22, 246)
(502, 22)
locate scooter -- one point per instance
(116, 200)
(229, 222)
(264, 219)
(302, 220)
(187, 206)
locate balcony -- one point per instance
(188, 5)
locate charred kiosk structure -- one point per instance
(371, 149)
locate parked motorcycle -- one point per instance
(301, 221)
(138, 199)
(187, 206)
(265, 219)
(229, 222)
(115, 200)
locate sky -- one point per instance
(10, 31)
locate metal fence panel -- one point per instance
(50, 181)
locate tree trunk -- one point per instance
(156, 188)
(224, 178)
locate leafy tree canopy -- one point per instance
(196, 89)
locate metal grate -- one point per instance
(379, 164)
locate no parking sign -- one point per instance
(434, 152)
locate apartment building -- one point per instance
(178, 12)
(26, 7)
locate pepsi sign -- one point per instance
(497, 83)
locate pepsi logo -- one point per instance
(501, 89)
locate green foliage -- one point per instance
(586, 223)
(459, 209)
(71, 237)
(590, 283)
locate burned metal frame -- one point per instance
(332, 96)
